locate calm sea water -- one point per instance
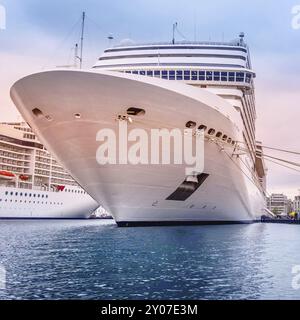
(97, 260)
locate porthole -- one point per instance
(77, 116)
(190, 124)
(219, 134)
(229, 140)
(233, 142)
(224, 137)
(202, 127)
(211, 131)
(135, 111)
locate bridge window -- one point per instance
(231, 76)
(164, 74)
(217, 76)
(194, 75)
(248, 77)
(224, 76)
(157, 73)
(240, 76)
(179, 75)
(187, 75)
(172, 74)
(208, 75)
(202, 75)
(150, 73)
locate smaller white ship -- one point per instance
(33, 184)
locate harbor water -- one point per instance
(96, 260)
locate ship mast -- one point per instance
(82, 39)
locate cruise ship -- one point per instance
(32, 183)
(204, 86)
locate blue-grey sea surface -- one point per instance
(94, 259)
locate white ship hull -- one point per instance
(136, 194)
(16, 203)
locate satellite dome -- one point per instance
(127, 42)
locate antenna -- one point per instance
(76, 55)
(174, 28)
(81, 40)
(242, 35)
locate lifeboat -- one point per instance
(7, 175)
(23, 177)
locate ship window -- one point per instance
(202, 75)
(232, 142)
(157, 73)
(135, 72)
(142, 72)
(229, 140)
(211, 131)
(21, 194)
(217, 76)
(240, 76)
(208, 75)
(202, 127)
(25, 194)
(34, 195)
(164, 74)
(42, 196)
(224, 76)
(248, 77)
(231, 76)
(190, 124)
(150, 73)
(37, 112)
(179, 74)
(16, 193)
(172, 74)
(194, 75)
(29, 194)
(187, 74)
(219, 134)
(224, 137)
(127, 71)
(135, 111)
(6, 193)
